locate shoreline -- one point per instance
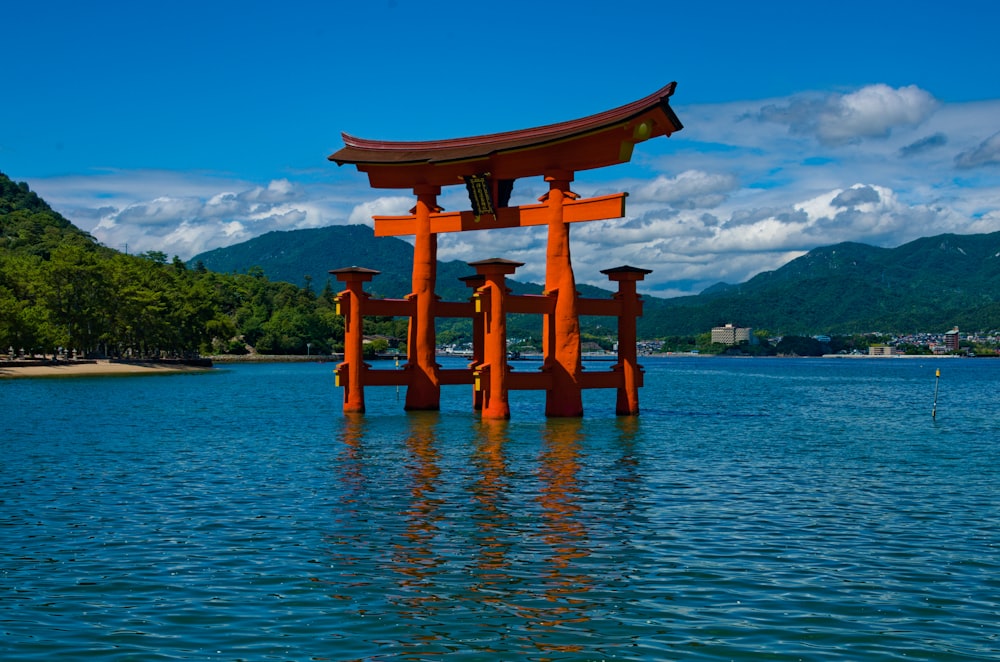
(106, 367)
(91, 368)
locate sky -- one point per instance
(185, 126)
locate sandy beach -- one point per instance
(92, 368)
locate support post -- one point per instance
(628, 393)
(478, 331)
(561, 339)
(495, 404)
(350, 304)
(424, 391)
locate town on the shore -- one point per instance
(734, 340)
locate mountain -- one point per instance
(295, 255)
(929, 284)
(932, 283)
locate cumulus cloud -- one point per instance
(362, 213)
(855, 196)
(692, 189)
(985, 153)
(871, 112)
(158, 212)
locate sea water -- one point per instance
(757, 509)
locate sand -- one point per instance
(72, 369)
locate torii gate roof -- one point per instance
(596, 141)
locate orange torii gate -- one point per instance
(488, 166)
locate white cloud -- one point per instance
(871, 112)
(362, 213)
(691, 189)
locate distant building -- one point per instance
(732, 335)
(951, 340)
(881, 350)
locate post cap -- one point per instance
(349, 274)
(626, 272)
(495, 265)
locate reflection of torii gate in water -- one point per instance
(488, 166)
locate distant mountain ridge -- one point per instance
(928, 284)
(294, 255)
(932, 283)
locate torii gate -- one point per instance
(488, 166)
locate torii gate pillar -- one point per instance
(424, 391)
(478, 332)
(351, 304)
(561, 335)
(491, 302)
(631, 308)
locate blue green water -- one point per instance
(757, 509)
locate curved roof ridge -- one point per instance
(595, 141)
(541, 132)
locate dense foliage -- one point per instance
(61, 289)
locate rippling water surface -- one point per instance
(757, 509)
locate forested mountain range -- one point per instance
(930, 284)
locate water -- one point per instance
(757, 509)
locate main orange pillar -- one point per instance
(628, 394)
(351, 303)
(424, 390)
(492, 294)
(561, 335)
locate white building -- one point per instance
(732, 335)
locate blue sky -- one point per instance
(189, 126)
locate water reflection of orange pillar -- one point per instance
(475, 282)
(563, 530)
(628, 393)
(424, 391)
(493, 522)
(350, 303)
(413, 549)
(491, 303)
(561, 335)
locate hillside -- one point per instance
(29, 225)
(293, 256)
(932, 283)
